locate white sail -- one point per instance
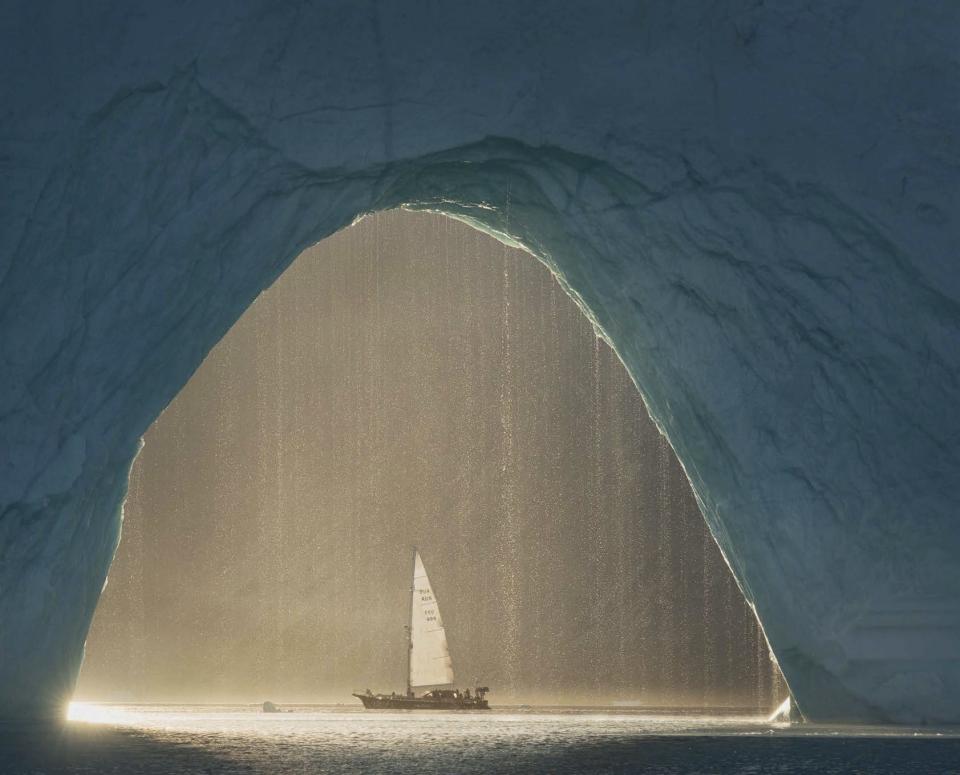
(430, 663)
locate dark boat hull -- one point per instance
(398, 702)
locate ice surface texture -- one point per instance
(755, 202)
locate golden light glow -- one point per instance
(95, 713)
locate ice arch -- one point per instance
(757, 205)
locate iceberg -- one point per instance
(756, 204)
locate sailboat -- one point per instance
(428, 659)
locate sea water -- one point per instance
(345, 739)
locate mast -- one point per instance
(413, 573)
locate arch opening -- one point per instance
(411, 381)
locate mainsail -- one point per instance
(430, 663)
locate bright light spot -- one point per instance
(782, 713)
(93, 713)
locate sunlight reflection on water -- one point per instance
(232, 739)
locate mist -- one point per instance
(412, 381)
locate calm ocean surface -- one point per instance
(335, 739)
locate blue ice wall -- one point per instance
(755, 203)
